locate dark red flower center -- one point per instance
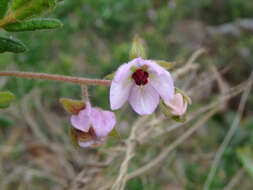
(140, 77)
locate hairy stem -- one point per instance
(62, 78)
(85, 94)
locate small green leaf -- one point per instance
(137, 49)
(72, 106)
(74, 137)
(34, 24)
(3, 7)
(245, 155)
(5, 99)
(11, 45)
(114, 133)
(34, 8)
(165, 64)
(110, 76)
(181, 119)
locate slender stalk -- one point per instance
(120, 182)
(85, 94)
(62, 78)
(229, 136)
(171, 147)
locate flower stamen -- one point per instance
(140, 77)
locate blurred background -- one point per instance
(35, 149)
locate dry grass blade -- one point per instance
(229, 135)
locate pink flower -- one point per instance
(142, 83)
(92, 125)
(177, 104)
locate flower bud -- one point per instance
(91, 126)
(177, 105)
(137, 50)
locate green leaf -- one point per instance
(33, 8)
(11, 45)
(137, 49)
(110, 76)
(5, 99)
(180, 119)
(245, 155)
(16, 4)
(3, 7)
(72, 106)
(114, 133)
(165, 64)
(34, 24)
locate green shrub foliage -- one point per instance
(3, 7)
(34, 24)
(18, 16)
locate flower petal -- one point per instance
(87, 143)
(82, 120)
(144, 99)
(153, 67)
(122, 84)
(124, 71)
(163, 84)
(119, 93)
(102, 121)
(184, 108)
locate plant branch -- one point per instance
(62, 78)
(120, 182)
(170, 148)
(189, 66)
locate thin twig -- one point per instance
(131, 142)
(170, 148)
(87, 81)
(195, 55)
(189, 66)
(62, 78)
(231, 93)
(229, 136)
